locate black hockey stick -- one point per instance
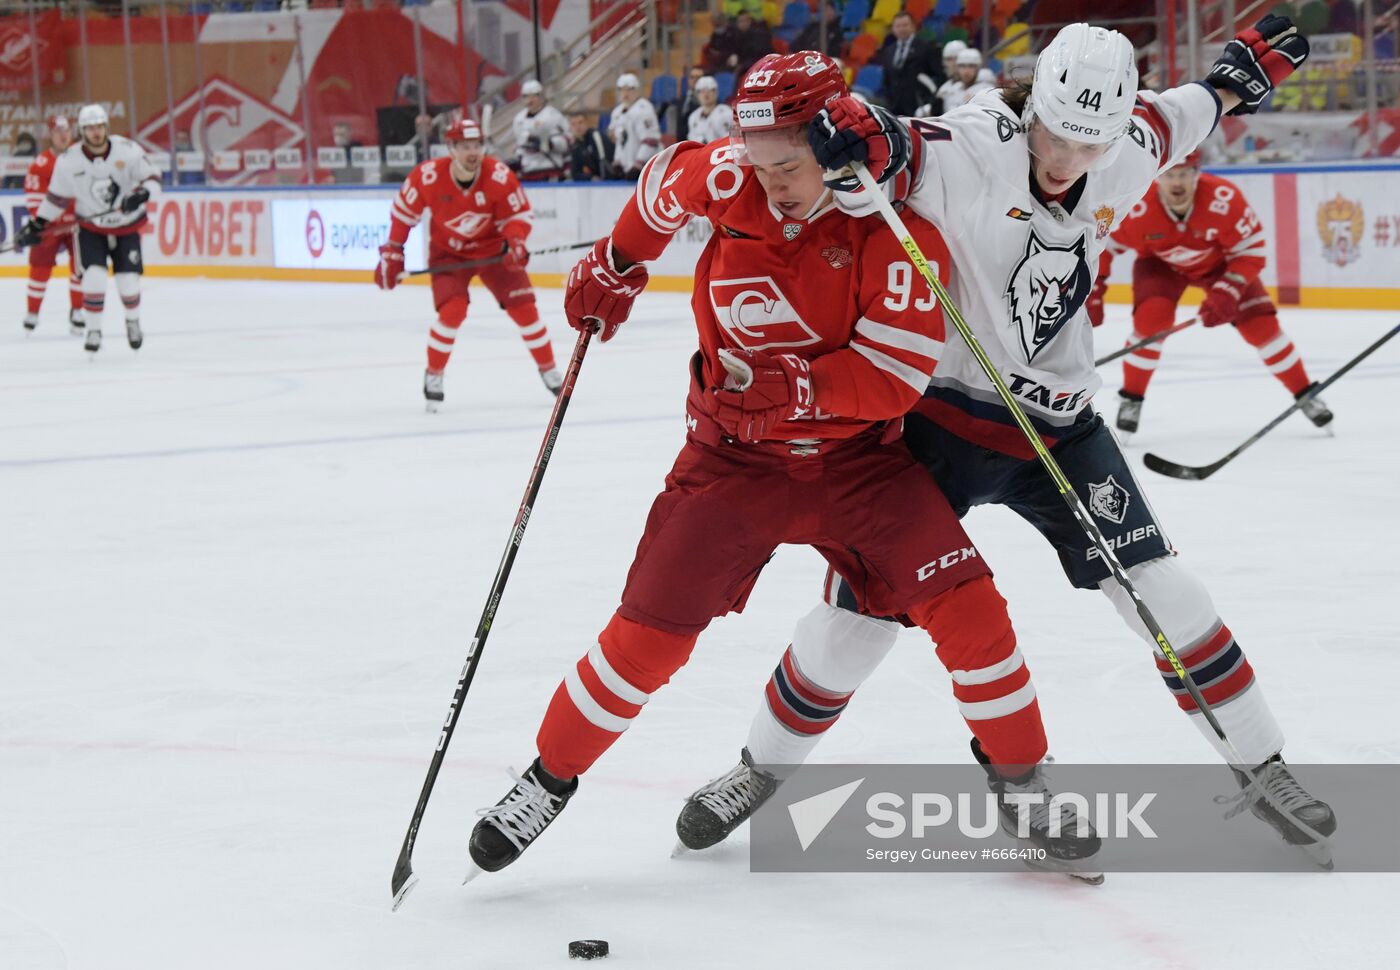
(403, 879)
(1195, 473)
(1146, 341)
(474, 263)
(1062, 483)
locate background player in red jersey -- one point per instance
(1198, 230)
(816, 335)
(59, 235)
(479, 211)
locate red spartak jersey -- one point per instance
(1220, 231)
(36, 181)
(834, 289)
(467, 221)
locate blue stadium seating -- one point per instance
(725, 80)
(870, 79)
(857, 12)
(663, 89)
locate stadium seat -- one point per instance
(725, 81)
(235, 6)
(885, 10)
(919, 9)
(201, 9)
(266, 6)
(663, 89)
(863, 48)
(869, 79)
(1312, 17)
(772, 16)
(604, 119)
(946, 10)
(875, 28)
(1018, 40)
(856, 13)
(796, 16)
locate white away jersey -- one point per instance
(636, 133)
(549, 133)
(98, 185)
(1022, 267)
(706, 128)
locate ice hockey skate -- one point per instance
(1317, 412)
(1071, 851)
(432, 389)
(31, 320)
(718, 808)
(1288, 804)
(509, 827)
(1129, 412)
(133, 334)
(92, 343)
(76, 324)
(553, 380)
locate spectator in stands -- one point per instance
(752, 41)
(810, 37)
(688, 104)
(590, 154)
(25, 146)
(904, 58)
(184, 144)
(722, 46)
(343, 136)
(426, 135)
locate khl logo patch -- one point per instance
(1046, 289)
(1109, 500)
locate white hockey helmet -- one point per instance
(91, 114)
(952, 49)
(1085, 86)
(531, 87)
(628, 80)
(969, 57)
(707, 83)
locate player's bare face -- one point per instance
(60, 138)
(967, 73)
(1058, 162)
(466, 158)
(787, 170)
(627, 96)
(1177, 187)
(708, 98)
(534, 102)
(95, 136)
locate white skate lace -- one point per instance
(1275, 780)
(1039, 810)
(524, 813)
(728, 795)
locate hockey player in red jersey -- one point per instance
(1197, 229)
(58, 236)
(816, 335)
(479, 212)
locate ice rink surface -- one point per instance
(241, 569)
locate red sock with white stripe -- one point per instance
(605, 690)
(1276, 351)
(1152, 315)
(534, 333)
(75, 291)
(991, 682)
(38, 283)
(444, 333)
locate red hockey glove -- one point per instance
(762, 390)
(390, 268)
(517, 253)
(1095, 302)
(1258, 60)
(848, 130)
(1222, 302)
(597, 292)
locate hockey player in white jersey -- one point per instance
(969, 80)
(1027, 184)
(712, 120)
(633, 128)
(110, 180)
(541, 137)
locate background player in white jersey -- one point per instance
(541, 137)
(633, 128)
(711, 120)
(1026, 186)
(108, 179)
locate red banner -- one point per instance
(20, 47)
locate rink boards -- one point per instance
(1334, 233)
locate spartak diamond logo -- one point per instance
(757, 316)
(17, 47)
(223, 117)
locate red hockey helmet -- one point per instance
(1192, 160)
(463, 129)
(787, 89)
(59, 121)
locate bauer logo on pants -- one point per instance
(1109, 500)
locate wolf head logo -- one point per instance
(1047, 288)
(1109, 500)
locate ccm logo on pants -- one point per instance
(946, 561)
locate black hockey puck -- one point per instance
(588, 949)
